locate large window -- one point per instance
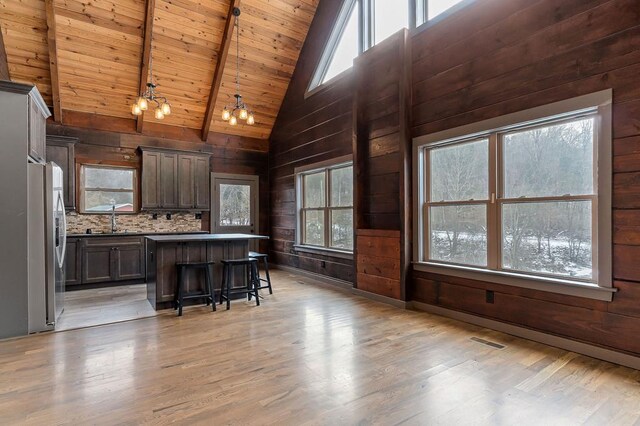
(325, 205)
(362, 24)
(530, 197)
(103, 187)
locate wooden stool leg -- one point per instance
(223, 282)
(266, 272)
(228, 288)
(180, 289)
(247, 269)
(255, 282)
(210, 288)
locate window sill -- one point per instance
(342, 254)
(551, 285)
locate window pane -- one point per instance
(552, 238)
(346, 49)
(460, 172)
(314, 227)
(390, 17)
(235, 205)
(314, 190)
(100, 177)
(342, 229)
(549, 161)
(459, 234)
(102, 201)
(342, 187)
(436, 7)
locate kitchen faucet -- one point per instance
(114, 225)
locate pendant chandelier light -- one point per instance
(149, 97)
(238, 110)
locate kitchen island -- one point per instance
(164, 251)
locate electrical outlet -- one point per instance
(490, 297)
(154, 216)
(198, 216)
(168, 216)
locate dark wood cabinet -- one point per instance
(112, 259)
(72, 262)
(150, 182)
(175, 180)
(37, 131)
(202, 183)
(61, 150)
(169, 180)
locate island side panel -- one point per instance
(151, 272)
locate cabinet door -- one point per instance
(186, 181)
(150, 183)
(202, 179)
(167, 255)
(37, 132)
(129, 262)
(168, 180)
(97, 264)
(63, 154)
(72, 262)
(194, 252)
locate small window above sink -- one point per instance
(103, 188)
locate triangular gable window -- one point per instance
(342, 47)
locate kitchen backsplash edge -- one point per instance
(142, 222)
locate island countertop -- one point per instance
(180, 238)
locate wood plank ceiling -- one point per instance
(98, 47)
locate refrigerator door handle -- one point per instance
(64, 231)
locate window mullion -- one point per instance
(493, 215)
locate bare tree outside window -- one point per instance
(235, 205)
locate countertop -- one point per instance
(204, 237)
(134, 234)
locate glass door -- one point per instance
(234, 204)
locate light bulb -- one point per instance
(244, 114)
(166, 108)
(159, 114)
(226, 115)
(142, 103)
(251, 120)
(233, 120)
(135, 109)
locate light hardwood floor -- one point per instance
(308, 355)
(86, 308)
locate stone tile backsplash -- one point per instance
(143, 222)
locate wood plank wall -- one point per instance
(307, 131)
(381, 158)
(229, 154)
(491, 58)
(496, 57)
(378, 262)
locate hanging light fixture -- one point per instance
(238, 110)
(150, 97)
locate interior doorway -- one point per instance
(234, 204)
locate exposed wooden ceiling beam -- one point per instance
(217, 76)
(53, 60)
(146, 56)
(4, 64)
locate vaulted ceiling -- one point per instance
(88, 56)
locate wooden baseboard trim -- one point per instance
(347, 286)
(537, 336)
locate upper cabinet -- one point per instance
(174, 180)
(61, 150)
(37, 130)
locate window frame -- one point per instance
(600, 287)
(82, 189)
(325, 167)
(418, 18)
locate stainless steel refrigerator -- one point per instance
(47, 234)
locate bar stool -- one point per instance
(264, 258)
(252, 282)
(208, 291)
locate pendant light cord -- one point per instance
(238, 57)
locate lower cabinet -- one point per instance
(105, 259)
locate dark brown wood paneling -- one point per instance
(493, 58)
(378, 262)
(308, 130)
